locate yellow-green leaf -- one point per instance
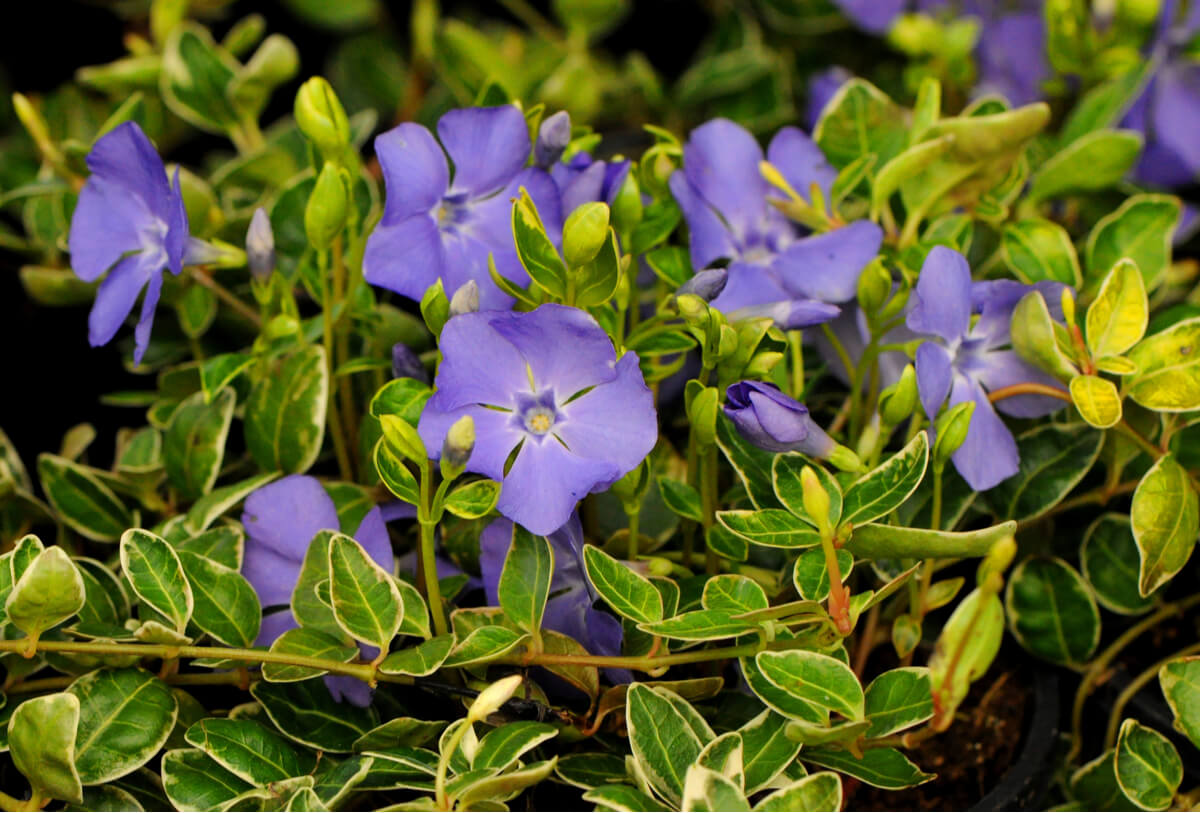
(1117, 319)
(1097, 400)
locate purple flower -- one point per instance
(963, 361)
(554, 135)
(435, 226)
(407, 364)
(1168, 110)
(545, 388)
(771, 420)
(872, 16)
(583, 179)
(260, 245)
(569, 609)
(821, 88)
(724, 198)
(130, 222)
(281, 519)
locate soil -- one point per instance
(971, 757)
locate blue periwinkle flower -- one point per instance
(281, 519)
(583, 179)
(706, 284)
(547, 386)
(554, 134)
(129, 222)
(725, 200)
(570, 609)
(440, 226)
(260, 245)
(407, 364)
(963, 361)
(773, 420)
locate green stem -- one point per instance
(342, 337)
(1135, 686)
(708, 504)
(796, 348)
(443, 801)
(1100, 665)
(239, 307)
(643, 663)
(335, 418)
(634, 517)
(428, 552)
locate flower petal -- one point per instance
(274, 625)
(793, 314)
(801, 162)
(708, 236)
(479, 365)
(108, 222)
(615, 422)
(273, 575)
(125, 156)
(488, 146)
(141, 333)
(565, 348)
(118, 294)
(874, 16)
(494, 542)
(989, 454)
(826, 267)
(406, 256)
(720, 160)
(1004, 368)
(749, 284)
(285, 515)
(373, 536)
(942, 298)
(177, 240)
(934, 376)
(546, 482)
(495, 435)
(1012, 57)
(415, 174)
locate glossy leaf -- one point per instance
(699, 625)
(1093, 161)
(1142, 229)
(1165, 518)
(225, 604)
(309, 643)
(1168, 376)
(285, 413)
(766, 750)
(818, 791)
(706, 789)
(898, 699)
(817, 679)
(1148, 767)
(1109, 560)
(41, 741)
(810, 575)
(663, 742)
(1054, 458)
(249, 750)
(48, 592)
(82, 500)
(1038, 250)
(473, 500)
(1052, 611)
(734, 594)
(194, 443)
(421, 660)
(501, 747)
(880, 767)
(525, 580)
(1097, 400)
(771, 527)
(1180, 682)
(156, 576)
(307, 712)
(630, 594)
(785, 475)
(366, 602)
(878, 492)
(194, 781)
(485, 644)
(1117, 317)
(125, 717)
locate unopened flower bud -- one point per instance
(407, 364)
(816, 499)
(998, 558)
(553, 137)
(321, 117)
(727, 342)
(874, 286)
(898, 402)
(844, 459)
(706, 284)
(627, 206)
(951, 430)
(489, 701)
(692, 308)
(325, 214)
(465, 299)
(773, 421)
(260, 245)
(1139, 12)
(457, 448)
(584, 233)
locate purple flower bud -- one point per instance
(260, 245)
(706, 284)
(771, 420)
(406, 364)
(553, 137)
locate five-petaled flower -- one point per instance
(281, 519)
(435, 226)
(546, 389)
(773, 270)
(963, 361)
(129, 222)
(569, 609)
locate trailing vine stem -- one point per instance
(1135, 686)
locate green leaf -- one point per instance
(766, 750)
(1106, 104)
(860, 120)
(419, 661)
(725, 756)
(400, 732)
(876, 541)
(525, 580)
(752, 464)
(285, 413)
(225, 605)
(680, 498)
(630, 594)
(724, 542)
(1097, 400)
(307, 712)
(535, 250)
(405, 397)
(206, 509)
(41, 740)
(489, 787)
(1094, 161)
(880, 767)
(1117, 318)
(1054, 458)
(1038, 250)
(502, 747)
(1180, 681)
(818, 791)
(366, 602)
(485, 644)
(966, 647)
(394, 473)
(309, 643)
(785, 476)
(473, 500)
(194, 443)
(898, 699)
(156, 576)
(194, 77)
(706, 789)
(50, 591)
(881, 490)
(1095, 785)
(125, 717)
(1142, 230)
(621, 798)
(810, 575)
(194, 781)
(308, 608)
(661, 738)
(106, 602)
(733, 594)
(249, 750)
(699, 625)
(1036, 338)
(1109, 559)
(416, 611)
(1166, 520)
(598, 279)
(1147, 765)
(1168, 376)
(1052, 612)
(196, 309)
(81, 500)
(817, 679)
(771, 527)
(218, 372)
(225, 545)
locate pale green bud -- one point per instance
(321, 117)
(465, 299)
(951, 429)
(457, 447)
(325, 214)
(584, 233)
(998, 558)
(816, 500)
(844, 459)
(898, 402)
(435, 308)
(493, 697)
(874, 286)
(627, 208)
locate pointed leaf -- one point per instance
(366, 601)
(156, 576)
(1166, 520)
